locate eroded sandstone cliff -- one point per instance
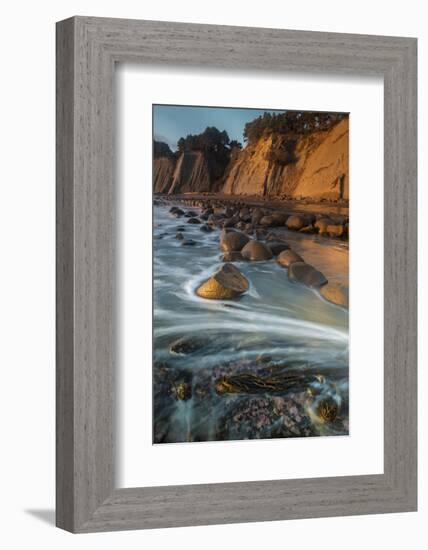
(190, 171)
(163, 172)
(314, 165)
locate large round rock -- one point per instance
(337, 293)
(288, 257)
(193, 220)
(295, 222)
(233, 241)
(276, 247)
(279, 218)
(335, 230)
(227, 283)
(304, 273)
(256, 252)
(267, 221)
(257, 216)
(322, 224)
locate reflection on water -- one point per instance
(277, 329)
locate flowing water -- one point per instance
(276, 327)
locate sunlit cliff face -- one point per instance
(312, 165)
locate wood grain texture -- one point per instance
(87, 49)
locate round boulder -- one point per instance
(322, 224)
(279, 218)
(276, 247)
(233, 241)
(295, 222)
(194, 220)
(304, 273)
(267, 221)
(337, 293)
(245, 215)
(256, 252)
(230, 222)
(288, 257)
(335, 230)
(227, 283)
(257, 216)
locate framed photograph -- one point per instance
(236, 274)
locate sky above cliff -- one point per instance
(171, 122)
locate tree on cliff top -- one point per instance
(161, 149)
(211, 139)
(290, 122)
(235, 144)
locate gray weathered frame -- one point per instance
(87, 50)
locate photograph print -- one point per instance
(250, 274)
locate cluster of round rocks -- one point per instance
(238, 223)
(229, 214)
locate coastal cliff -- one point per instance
(313, 165)
(189, 172)
(297, 164)
(163, 172)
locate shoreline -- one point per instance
(254, 233)
(252, 214)
(332, 208)
(272, 364)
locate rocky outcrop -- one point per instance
(317, 169)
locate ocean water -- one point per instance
(278, 328)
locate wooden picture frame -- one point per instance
(87, 50)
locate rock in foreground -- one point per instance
(227, 283)
(304, 273)
(337, 293)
